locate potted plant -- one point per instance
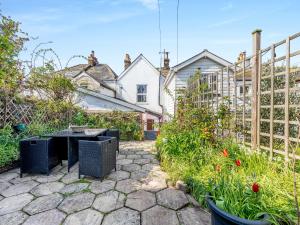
(220, 217)
(227, 187)
(19, 127)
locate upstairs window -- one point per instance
(141, 93)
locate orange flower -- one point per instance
(225, 152)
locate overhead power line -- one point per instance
(177, 30)
(159, 28)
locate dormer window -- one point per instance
(141, 93)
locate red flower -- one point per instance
(238, 162)
(225, 152)
(218, 168)
(255, 187)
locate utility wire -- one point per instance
(177, 31)
(159, 28)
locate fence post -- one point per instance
(256, 41)
(286, 101)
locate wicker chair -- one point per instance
(113, 142)
(114, 133)
(38, 155)
(97, 158)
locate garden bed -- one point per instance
(12, 165)
(241, 182)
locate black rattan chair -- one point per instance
(113, 142)
(97, 158)
(38, 155)
(114, 133)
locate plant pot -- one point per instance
(19, 127)
(78, 129)
(220, 217)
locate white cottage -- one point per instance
(138, 89)
(141, 83)
(207, 62)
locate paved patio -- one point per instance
(137, 193)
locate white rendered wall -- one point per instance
(169, 98)
(142, 72)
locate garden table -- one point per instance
(72, 141)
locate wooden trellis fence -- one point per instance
(263, 94)
(12, 112)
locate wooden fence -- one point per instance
(12, 111)
(263, 95)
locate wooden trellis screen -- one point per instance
(12, 112)
(263, 94)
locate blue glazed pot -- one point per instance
(220, 217)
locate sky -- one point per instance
(114, 27)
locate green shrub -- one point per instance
(189, 150)
(8, 146)
(127, 122)
(9, 140)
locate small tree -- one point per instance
(11, 44)
(54, 89)
(51, 84)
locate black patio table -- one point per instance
(72, 141)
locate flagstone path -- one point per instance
(136, 194)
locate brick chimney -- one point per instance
(166, 68)
(127, 61)
(241, 57)
(92, 60)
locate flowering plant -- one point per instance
(244, 184)
(238, 162)
(255, 187)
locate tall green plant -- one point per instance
(8, 146)
(11, 44)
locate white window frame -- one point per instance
(141, 94)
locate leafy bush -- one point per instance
(8, 146)
(189, 150)
(9, 140)
(127, 122)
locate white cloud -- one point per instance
(150, 4)
(109, 18)
(224, 22)
(36, 17)
(227, 7)
(39, 16)
(230, 41)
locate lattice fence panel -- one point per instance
(277, 97)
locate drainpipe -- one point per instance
(159, 95)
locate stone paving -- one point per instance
(136, 194)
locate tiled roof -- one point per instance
(99, 72)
